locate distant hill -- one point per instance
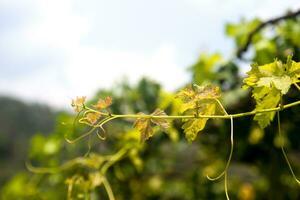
(18, 122)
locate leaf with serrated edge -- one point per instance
(265, 98)
(198, 100)
(193, 126)
(269, 83)
(102, 104)
(143, 125)
(163, 123)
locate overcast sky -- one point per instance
(54, 50)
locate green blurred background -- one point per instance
(166, 166)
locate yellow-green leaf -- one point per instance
(269, 83)
(192, 127)
(266, 98)
(198, 100)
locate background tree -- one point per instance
(167, 166)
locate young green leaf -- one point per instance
(198, 100)
(265, 98)
(269, 83)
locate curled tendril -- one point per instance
(284, 152)
(53, 170)
(103, 136)
(96, 127)
(224, 172)
(81, 136)
(100, 125)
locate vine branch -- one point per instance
(228, 116)
(273, 21)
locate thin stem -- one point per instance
(89, 146)
(81, 136)
(237, 115)
(226, 187)
(99, 125)
(52, 170)
(297, 86)
(113, 159)
(283, 150)
(70, 189)
(108, 189)
(229, 158)
(221, 106)
(107, 120)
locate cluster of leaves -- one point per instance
(270, 82)
(198, 103)
(94, 118)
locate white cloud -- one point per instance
(85, 68)
(56, 25)
(56, 29)
(90, 67)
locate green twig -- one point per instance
(113, 159)
(224, 172)
(108, 189)
(283, 150)
(237, 115)
(297, 86)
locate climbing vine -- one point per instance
(198, 103)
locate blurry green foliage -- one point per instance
(204, 69)
(167, 167)
(240, 31)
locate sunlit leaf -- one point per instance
(78, 103)
(193, 126)
(269, 83)
(198, 100)
(102, 104)
(92, 117)
(266, 98)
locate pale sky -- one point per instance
(54, 50)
